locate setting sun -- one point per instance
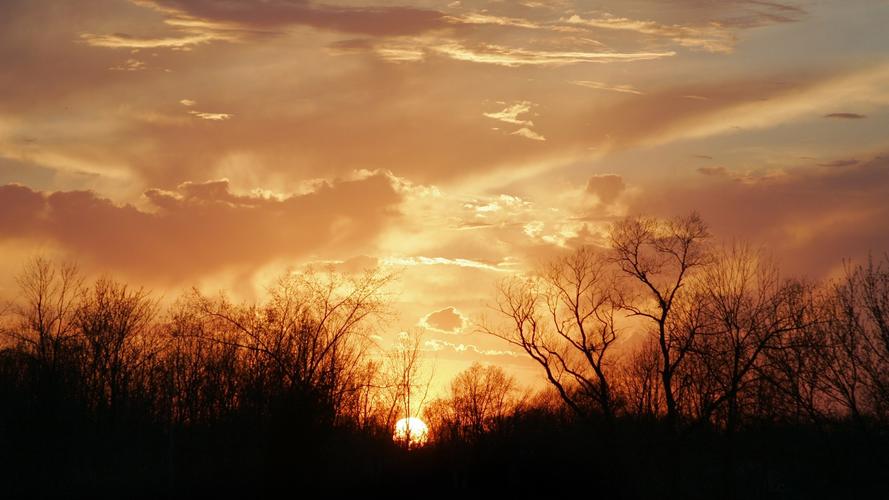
(412, 431)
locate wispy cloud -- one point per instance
(511, 114)
(515, 57)
(130, 65)
(124, 41)
(487, 19)
(211, 116)
(528, 134)
(251, 15)
(439, 345)
(845, 116)
(718, 171)
(624, 89)
(711, 38)
(438, 261)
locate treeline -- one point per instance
(101, 389)
(669, 357)
(666, 324)
(692, 363)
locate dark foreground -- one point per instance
(63, 453)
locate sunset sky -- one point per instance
(215, 143)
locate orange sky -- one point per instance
(214, 143)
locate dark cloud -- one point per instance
(201, 227)
(810, 217)
(839, 163)
(373, 20)
(607, 187)
(447, 320)
(739, 14)
(846, 116)
(713, 171)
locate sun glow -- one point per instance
(411, 431)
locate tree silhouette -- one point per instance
(658, 257)
(480, 399)
(563, 318)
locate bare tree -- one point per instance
(793, 372)
(639, 380)
(745, 310)
(563, 318)
(308, 339)
(406, 381)
(480, 398)
(116, 325)
(853, 333)
(658, 256)
(44, 324)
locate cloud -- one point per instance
(514, 57)
(199, 227)
(758, 13)
(846, 116)
(624, 89)
(711, 38)
(438, 261)
(606, 187)
(439, 345)
(731, 105)
(211, 116)
(811, 217)
(373, 20)
(486, 19)
(529, 134)
(125, 41)
(511, 114)
(447, 320)
(839, 163)
(719, 171)
(130, 65)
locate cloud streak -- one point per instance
(711, 38)
(623, 89)
(276, 14)
(439, 345)
(514, 57)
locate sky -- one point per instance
(216, 143)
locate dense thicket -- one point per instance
(676, 367)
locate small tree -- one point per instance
(407, 384)
(44, 323)
(481, 397)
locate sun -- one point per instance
(411, 431)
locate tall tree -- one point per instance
(657, 257)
